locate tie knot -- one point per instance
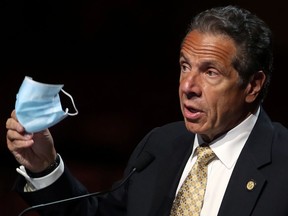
(204, 154)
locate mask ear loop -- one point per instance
(66, 110)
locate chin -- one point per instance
(192, 127)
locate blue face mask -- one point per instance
(38, 105)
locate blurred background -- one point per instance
(119, 61)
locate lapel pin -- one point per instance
(250, 185)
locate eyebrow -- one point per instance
(204, 64)
(182, 55)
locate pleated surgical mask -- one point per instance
(38, 105)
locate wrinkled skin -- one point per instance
(211, 97)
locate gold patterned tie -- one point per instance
(189, 199)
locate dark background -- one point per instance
(119, 61)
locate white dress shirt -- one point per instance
(227, 149)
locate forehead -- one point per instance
(208, 45)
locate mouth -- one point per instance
(191, 109)
(191, 113)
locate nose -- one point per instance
(190, 85)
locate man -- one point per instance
(226, 63)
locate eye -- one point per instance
(184, 66)
(212, 73)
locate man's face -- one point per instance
(212, 100)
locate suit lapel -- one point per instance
(247, 181)
(243, 189)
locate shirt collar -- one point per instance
(228, 146)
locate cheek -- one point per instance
(226, 108)
(213, 99)
(218, 105)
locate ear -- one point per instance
(254, 86)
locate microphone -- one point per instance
(142, 162)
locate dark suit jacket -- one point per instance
(264, 160)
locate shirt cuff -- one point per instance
(34, 184)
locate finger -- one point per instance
(12, 124)
(13, 114)
(16, 145)
(13, 136)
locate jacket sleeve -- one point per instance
(67, 186)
